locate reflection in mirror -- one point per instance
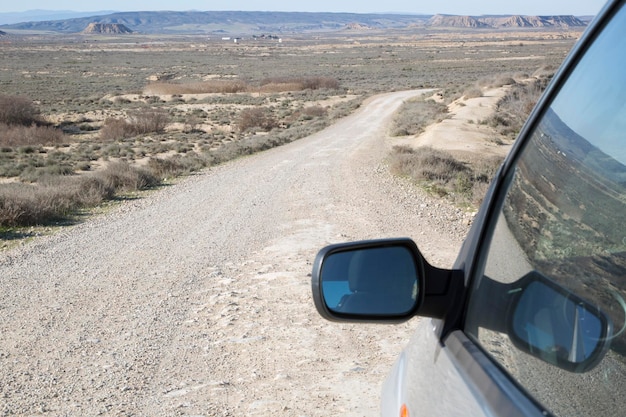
(551, 323)
(370, 281)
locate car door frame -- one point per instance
(492, 386)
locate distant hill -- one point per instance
(498, 22)
(456, 21)
(224, 22)
(227, 22)
(112, 28)
(8, 18)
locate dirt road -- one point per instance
(196, 299)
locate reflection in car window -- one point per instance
(565, 217)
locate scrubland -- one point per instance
(89, 119)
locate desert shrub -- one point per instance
(116, 129)
(314, 111)
(205, 87)
(141, 121)
(256, 117)
(149, 120)
(415, 115)
(513, 109)
(17, 110)
(496, 81)
(440, 172)
(51, 199)
(17, 135)
(124, 177)
(426, 164)
(280, 87)
(25, 205)
(345, 108)
(176, 165)
(277, 84)
(35, 173)
(473, 92)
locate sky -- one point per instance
(597, 90)
(459, 7)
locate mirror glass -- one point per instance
(370, 281)
(556, 326)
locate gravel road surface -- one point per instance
(195, 300)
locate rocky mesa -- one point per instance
(108, 28)
(499, 22)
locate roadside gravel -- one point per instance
(195, 300)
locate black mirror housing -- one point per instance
(369, 281)
(381, 281)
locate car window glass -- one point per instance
(564, 218)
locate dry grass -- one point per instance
(415, 115)
(268, 85)
(56, 197)
(441, 173)
(516, 105)
(205, 87)
(256, 118)
(17, 135)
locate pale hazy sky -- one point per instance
(462, 7)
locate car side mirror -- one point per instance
(368, 281)
(551, 323)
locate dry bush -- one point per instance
(415, 115)
(473, 92)
(16, 110)
(115, 129)
(516, 105)
(443, 174)
(141, 122)
(316, 83)
(314, 111)
(425, 164)
(205, 87)
(124, 177)
(26, 205)
(278, 87)
(301, 83)
(267, 85)
(149, 120)
(52, 199)
(176, 165)
(16, 135)
(497, 81)
(256, 117)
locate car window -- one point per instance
(564, 218)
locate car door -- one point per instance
(561, 214)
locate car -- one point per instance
(531, 318)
